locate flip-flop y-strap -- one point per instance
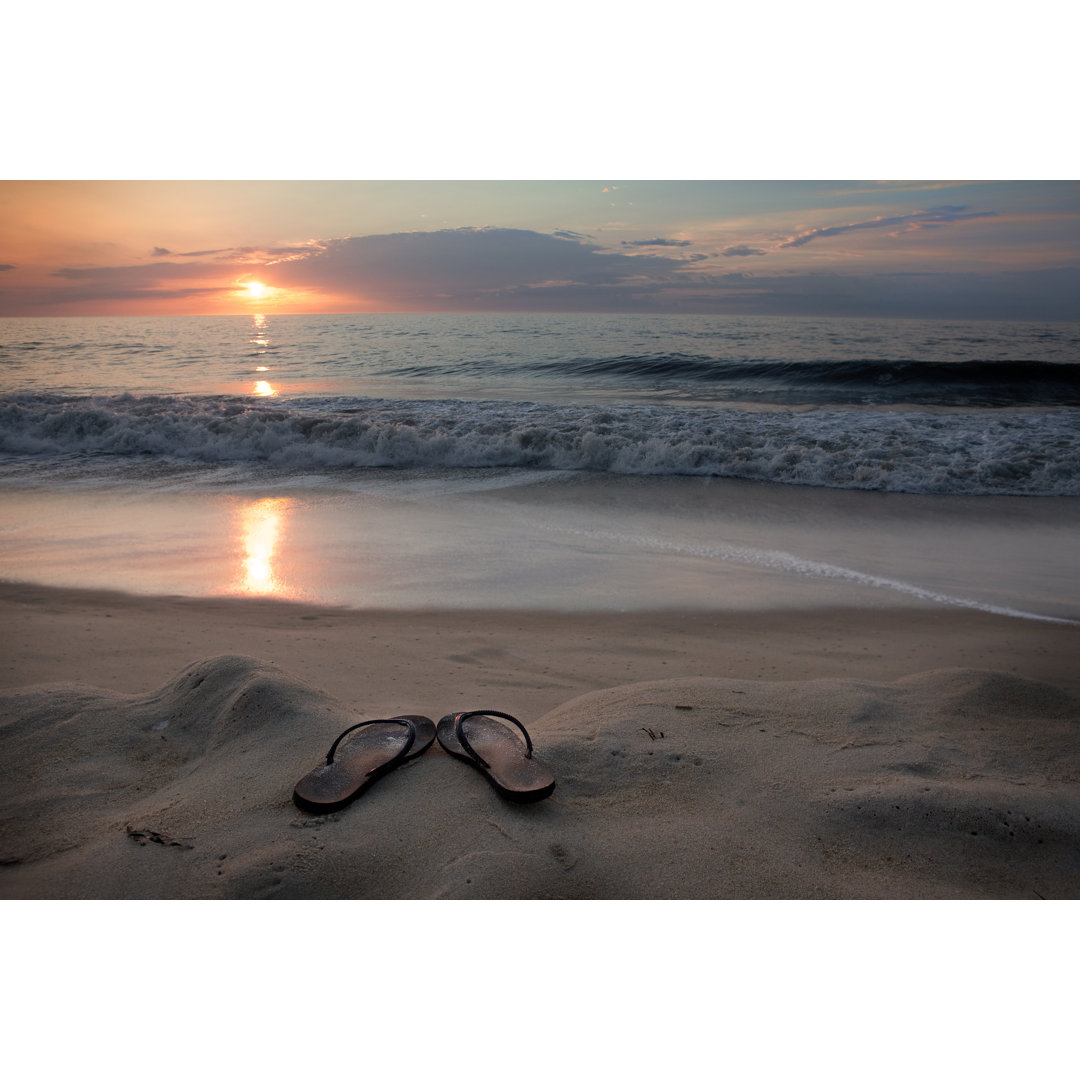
(494, 750)
(423, 734)
(362, 760)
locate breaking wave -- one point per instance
(1011, 453)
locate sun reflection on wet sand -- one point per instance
(263, 389)
(260, 525)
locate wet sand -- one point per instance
(562, 542)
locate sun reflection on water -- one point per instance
(260, 339)
(260, 526)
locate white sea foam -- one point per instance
(795, 564)
(1012, 453)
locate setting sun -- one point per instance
(256, 290)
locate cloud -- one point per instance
(141, 276)
(502, 269)
(244, 254)
(467, 269)
(917, 219)
(658, 242)
(464, 266)
(158, 252)
(1022, 295)
(493, 269)
(7, 266)
(97, 292)
(148, 281)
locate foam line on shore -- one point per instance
(796, 564)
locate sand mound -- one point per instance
(955, 783)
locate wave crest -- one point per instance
(985, 383)
(970, 454)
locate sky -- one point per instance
(476, 157)
(968, 249)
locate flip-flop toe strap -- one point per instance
(407, 724)
(459, 731)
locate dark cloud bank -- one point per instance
(520, 270)
(491, 269)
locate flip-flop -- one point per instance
(478, 738)
(352, 767)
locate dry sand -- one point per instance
(150, 746)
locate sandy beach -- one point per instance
(151, 745)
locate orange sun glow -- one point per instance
(256, 290)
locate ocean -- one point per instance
(560, 461)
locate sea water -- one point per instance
(603, 461)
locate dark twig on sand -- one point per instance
(142, 835)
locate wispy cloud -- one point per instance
(742, 249)
(242, 254)
(203, 254)
(877, 188)
(939, 215)
(148, 281)
(7, 266)
(145, 274)
(658, 242)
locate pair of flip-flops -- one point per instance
(377, 746)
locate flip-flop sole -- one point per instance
(510, 772)
(371, 752)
